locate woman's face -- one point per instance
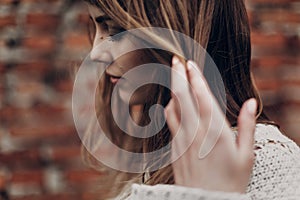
(118, 65)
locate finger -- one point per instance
(246, 128)
(181, 92)
(213, 119)
(172, 117)
(179, 80)
(178, 139)
(210, 110)
(200, 89)
(182, 138)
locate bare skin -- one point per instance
(228, 166)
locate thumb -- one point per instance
(246, 128)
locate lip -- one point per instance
(114, 79)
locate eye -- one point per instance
(107, 25)
(103, 25)
(116, 33)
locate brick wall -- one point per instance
(40, 43)
(276, 59)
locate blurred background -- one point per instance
(42, 42)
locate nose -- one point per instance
(99, 55)
(101, 52)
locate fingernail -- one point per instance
(175, 60)
(189, 65)
(252, 106)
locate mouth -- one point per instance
(114, 79)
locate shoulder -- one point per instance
(267, 135)
(277, 164)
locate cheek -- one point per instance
(133, 59)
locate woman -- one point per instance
(228, 169)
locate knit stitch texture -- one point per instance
(275, 175)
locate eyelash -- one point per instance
(114, 38)
(115, 33)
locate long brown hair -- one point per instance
(221, 27)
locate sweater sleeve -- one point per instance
(174, 192)
(275, 175)
(276, 171)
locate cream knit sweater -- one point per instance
(275, 176)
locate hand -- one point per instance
(228, 164)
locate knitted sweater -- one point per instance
(275, 175)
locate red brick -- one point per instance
(79, 176)
(271, 41)
(9, 20)
(44, 110)
(279, 17)
(26, 1)
(65, 153)
(42, 131)
(268, 84)
(267, 62)
(64, 86)
(83, 18)
(13, 159)
(40, 66)
(291, 82)
(77, 41)
(27, 177)
(2, 67)
(280, 2)
(42, 20)
(41, 43)
(48, 197)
